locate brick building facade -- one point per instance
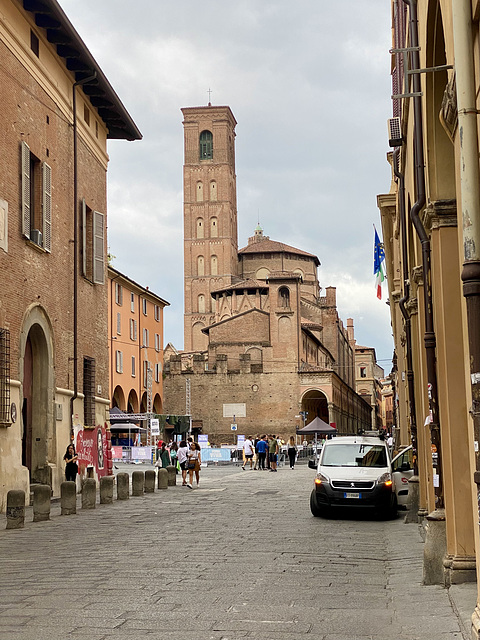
(261, 343)
(53, 296)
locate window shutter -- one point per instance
(25, 190)
(134, 329)
(84, 238)
(47, 206)
(119, 323)
(98, 248)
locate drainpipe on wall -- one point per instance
(429, 336)
(401, 304)
(470, 197)
(75, 246)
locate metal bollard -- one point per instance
(162, 479)
(89, 494)
(41, 502)
(149, 481)
(138, 483)
(106, 489)
(172, 476)
(68, 498)
(15, 509)
(123, 486)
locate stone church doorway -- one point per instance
(315, 403)
(35, 405)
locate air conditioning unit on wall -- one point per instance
(37, 237)
(394, 132)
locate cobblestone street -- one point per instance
(240, 557)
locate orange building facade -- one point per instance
(135, 343)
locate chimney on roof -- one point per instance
(351, 331)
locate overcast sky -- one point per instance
(309, 85)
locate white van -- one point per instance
(356, 471)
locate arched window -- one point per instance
(200, 266)
(206, 145)
(199, 191)
(262, 273)
(200, 233)
(201, 303)
(213, 227)
(283, 297)
(213, 266)
(213, 191)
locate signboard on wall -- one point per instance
(235, 409)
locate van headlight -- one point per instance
(321, 478)
(385, 479)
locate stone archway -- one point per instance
(37, 376)
(315, 403)
(132, 404)
(157, 404)
(118, 399)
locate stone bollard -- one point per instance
(106, 489)
(89, 494)
(138, 483)
(123, 486)
(162, 479)
(15, 509)
(149, 481)
(68, 498)
(172, 476)
(41, 502)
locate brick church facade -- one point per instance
(261, 343)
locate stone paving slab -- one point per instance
(239, 557)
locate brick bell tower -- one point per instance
(209, 215)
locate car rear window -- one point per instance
(354, 455)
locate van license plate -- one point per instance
(352, 495)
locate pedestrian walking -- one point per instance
(71, 466)
(273, 452)
(248, 452)
(193, 464)
(173, 455)
(182, 455)
(291, 451)
(163, 459)
(262, 448)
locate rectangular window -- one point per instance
(133, 329)
(146, 337)
(119, 361)
(86, 115)
(147, 373)
(36, 199)
(89, 391)
(4, 376)
(158, 371)
(157, 342)
(34, 43)
(144, 306)
(133, 367)
(119, 323)
(132, 302)
(118, 294)
(157, 312)
(363, 372)
(98, 248)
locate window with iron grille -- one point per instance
(89, 391)
(4, 376)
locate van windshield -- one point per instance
(354, 455)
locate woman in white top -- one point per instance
(182, 455)
(195, 460)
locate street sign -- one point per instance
(233, 427)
